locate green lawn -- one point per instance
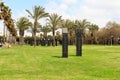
(45, 63)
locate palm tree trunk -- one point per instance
(45, 35)
(21, 40)
(21, 33)
(92, 38)
(34, 39)
(4, 33)
(35, 29)
(53, 37)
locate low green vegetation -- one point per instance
(45, 63)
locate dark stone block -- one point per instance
(78, 42)
(65, 45)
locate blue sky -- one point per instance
(95, 11)
(51, 6)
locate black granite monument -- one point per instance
(78, 42)
(65, 43)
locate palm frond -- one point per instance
(30, 14)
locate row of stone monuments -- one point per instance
(44, 42)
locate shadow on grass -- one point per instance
(66, 57)
(73, 55)
(57, 56)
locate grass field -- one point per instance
(45, 63)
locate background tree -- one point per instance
(45, 30)
(92, 29)
(110, 31)
(23, 23)
(54, 22)
(31, 29)
(38, 13)
(5, 14)
(83, 25)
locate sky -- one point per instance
(96, 11)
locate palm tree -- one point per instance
(23, 23)
(1, 17)
(66, 23)
(82, 25)
(54, 22)
(93, 28)
(31, 29)
(45, 30)
(1, 9)
(38, 13)
(5, 14)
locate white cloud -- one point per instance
(112, 7)
(98, 11)
(97, 16)
(59, 9)
(69, 1)
(104, 3)
(63, 7)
